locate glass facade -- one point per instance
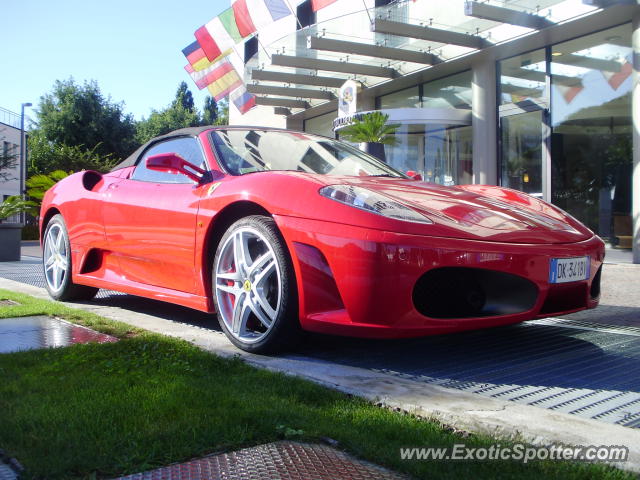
(565, 114)
(441, 153)
(591, 140)
(449, 92)
(407, 98)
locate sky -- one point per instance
(132, 48)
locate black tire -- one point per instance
(66, 289)
(263, 241)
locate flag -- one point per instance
(195, 56)
(243, 100)
(570, 92)
(213, 72)
(615, 79)
(318, 4)
(243, 18)
(225, 84)
(238, 22)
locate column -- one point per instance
(484, 123)
(635, 102)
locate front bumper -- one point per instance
(359, 282)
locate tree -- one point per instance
(80, 116)
(184, 97)
(165, 121)
(210, 111)
(223, 113)
(46, 156)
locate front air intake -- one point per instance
(461, 292)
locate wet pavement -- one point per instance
(28, 333)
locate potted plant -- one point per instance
(11, 232)
(373, 130)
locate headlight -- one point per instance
(373, 202)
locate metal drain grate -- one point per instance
(574, 367)
(280, 460)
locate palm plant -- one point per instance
(371, 128)
(37, 185)
(15, 205)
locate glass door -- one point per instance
(523, 149)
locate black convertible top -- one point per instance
(190, 131)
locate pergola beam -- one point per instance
(430, 34)
(281, 102)
(333, 66)
(289, 92)
(356, 48)
(505, 15)
(297, 78)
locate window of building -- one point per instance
(591, 124)
(523, 77)
(450, 92)
(523, 100)
(407, 98)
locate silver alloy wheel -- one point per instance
(56, 257)
(248, 285)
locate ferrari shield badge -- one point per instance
(213, 187)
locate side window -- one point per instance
(187, 147)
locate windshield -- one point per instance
(247, 151)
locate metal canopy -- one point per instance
(332, 66)
(296, 78)
(405, 40)
(290, 92)
(431, 34)
(505, 15)
(378, 51)
(281, 102)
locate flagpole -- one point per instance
(364, 2)
(294, 14)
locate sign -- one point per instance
(348, 98)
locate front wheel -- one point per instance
(254, 286)
(56, 262)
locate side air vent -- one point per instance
(91, 180)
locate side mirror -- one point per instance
(174, 163)
(414, 175)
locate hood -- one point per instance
(478, 212)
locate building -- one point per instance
(541, 96)
(9, 154)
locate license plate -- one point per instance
(565, 270)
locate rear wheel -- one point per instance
(56, 262)
(254, 286)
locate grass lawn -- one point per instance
(148, 400)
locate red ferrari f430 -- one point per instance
(279, 231)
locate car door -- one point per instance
(150, 220)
